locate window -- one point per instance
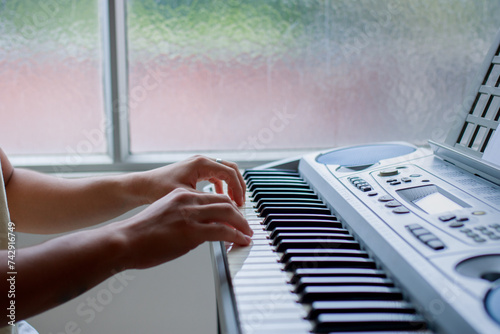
(51, 91)
(244, 80)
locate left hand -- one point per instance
(186, 174)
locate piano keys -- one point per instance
(304, 271)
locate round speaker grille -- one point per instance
(363, 155)
(492, 303)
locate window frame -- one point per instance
(113, 19)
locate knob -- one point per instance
(389, 172)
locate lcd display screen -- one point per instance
(432, 199)
(435, 203)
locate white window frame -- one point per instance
(115, 85)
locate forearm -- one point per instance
(60, 269)
(41, 203)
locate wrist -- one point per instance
(118, 246)
(136, 187)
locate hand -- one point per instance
(186, 174)
(178, 223)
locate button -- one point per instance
(479, 213)
(413, 226)
(395, 183)
(427, 237)
(392, 204)
(385, 198)
(391, 180)
(445, 218)
(472, 235)
(401, 210)
(480, 228)
(495, 225)
(353, 178)
(487, 232)
(466, 230)
(435, 244)
(406, 179)
(419, 231)
(478, 239)
(456, 224)
(462, 218)
(365, 188)
(389, 172)
(373, 193)
(359, 185)
(494, 237)
(426, 180)
(415, 175)
(357, 181)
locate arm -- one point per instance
(168, 228)
(40, 203)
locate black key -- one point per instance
(283, 195)
(359, 306)
(315, 243)
(284, 190)
(264, 185)
(316, 235)
(322, 252)
(307, 229)
(348, 322)
(272, 224)
(330, 281)
(354, 292)
(269, 172)
(294, 210)
(296, 262)
(304, 201)
(303, 217)
(271, 178)
(297, 204)
(284, 187)
(275, 177)
(334, 272)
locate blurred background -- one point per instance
(218, 75)
(215, 76)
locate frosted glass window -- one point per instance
(51, 92)
(276, 74)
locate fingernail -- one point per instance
(248, 239)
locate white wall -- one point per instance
(176, 297)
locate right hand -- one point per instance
(156, 183)
(178, 223)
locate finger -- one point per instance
(221, 213)
(228, 172)
(240, 177)
(219, 189)
(221, 232)
(202, 198)
(230, 192)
